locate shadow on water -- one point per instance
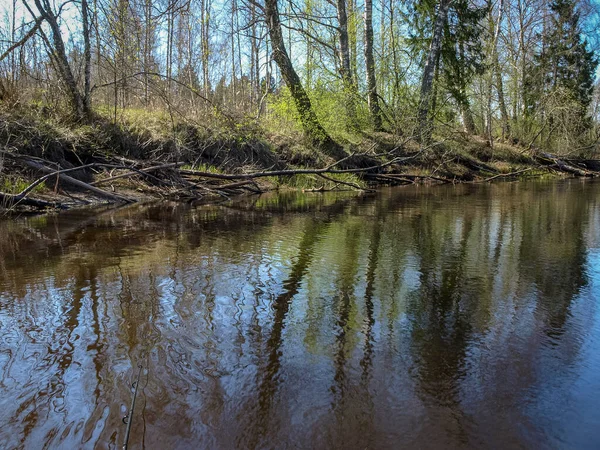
(449, 317)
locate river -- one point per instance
(424, 317)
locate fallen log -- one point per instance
(75, 182)
(551, 160)
(502, 175)
(345, 183)
(587, 164)
(235, 185)
(389, 179)
(10, 200)
(288, 172)
(238, 184)
(419, 177)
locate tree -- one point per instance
(562, 72)
(455, 47)
(462, 56)
(80, 102)
(425, 121)
(495, 66)
(345, 67)
(310, 123)
(372, 96)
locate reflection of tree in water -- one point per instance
(345, 285)
(100, 359)
(469, 274)
(59, 359)
(269, 373)
(553, 257)
(458, 295)
(373, 263)
(440, 320)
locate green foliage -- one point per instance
(306, 182)
(16, 185)
(462, 51)
(203, 168)
(329, 101)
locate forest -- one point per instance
(247, 85)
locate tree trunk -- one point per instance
(147, 49)
(344, 61)
(424, 119)
(352, 40)
(87, 56)
(254, 58)
(501, 101)
(488, 112)
(170, 33)
(495, 33)
(308, 118)
(59, 54)
(204, 17)
(498, 76)
(372, 97)
(467, 118)
(233, 67)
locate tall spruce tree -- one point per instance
(462, 55)
(563, 66)
(454, 48)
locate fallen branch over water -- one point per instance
(503, 175)
(134, 171)
(170, 180)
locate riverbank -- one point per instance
(46, 163)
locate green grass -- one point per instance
(15, 185)
(305, 182)
(203, 168)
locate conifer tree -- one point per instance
(563, 68)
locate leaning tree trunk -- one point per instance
(372, 97)
(424, 118)
(310, 123)
(78, 106)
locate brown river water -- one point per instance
(418, 318)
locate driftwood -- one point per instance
(345, 183)
(12, 200)
(387, 178)
(239, 184)
(407, 178)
